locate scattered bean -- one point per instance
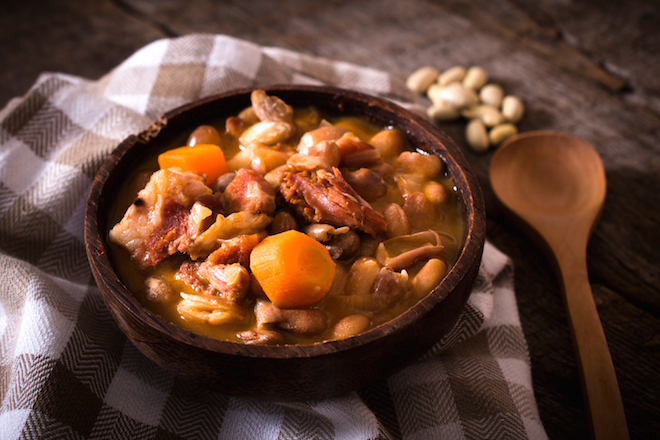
(477, 136)
(512, 108)
(488, 114)
(458, 95)
(453, 74)
(500, 133)
(457, 92)
(491, 94)
(442, 111)
(421, 79)
(475, 78)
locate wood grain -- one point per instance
(554, 185)
(588, 68)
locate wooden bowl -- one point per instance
(289, 372)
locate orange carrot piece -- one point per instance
(204, 158)
(294, 270)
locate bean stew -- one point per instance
(282, 225)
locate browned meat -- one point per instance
(171, 237)
(235, 250)
(321, 196)
(355, 153)
(156, 224)
(249, 192)
(229, 281)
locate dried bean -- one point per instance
(477, 136)
(475, 78)
(500, 133)
(513, 108)
(490, 115)
(453, 74)
(421, 79)
(458, 95)
(491, 94)
(442, 111)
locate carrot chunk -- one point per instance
(294, 270)
(204, 158)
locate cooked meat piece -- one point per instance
(171, 237)
(159, 215)
(224, 228)
(249, 192)
(229, 281)
(322, 196)
(210, 308)
(235, 250)
(355, 153)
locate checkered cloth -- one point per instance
(66, 371)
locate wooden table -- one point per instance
(588, 68)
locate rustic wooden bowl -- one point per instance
(292, 372)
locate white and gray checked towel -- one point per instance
(66, 371)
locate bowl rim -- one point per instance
(471, 195)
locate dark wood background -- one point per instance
(590, 68)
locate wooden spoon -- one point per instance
(553, 185)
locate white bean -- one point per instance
(421, 79)
(475, 78)
(490, 115)
(453, 74)
(491, 94)
(458, 96)
(512, 108)
(477, 136)
(500, 133)
(428, 277)
(361, 276)
(351, 325)
(433, 93)
(443, 111)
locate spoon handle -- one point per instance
(600, 388)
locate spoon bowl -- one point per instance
(553, 186)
